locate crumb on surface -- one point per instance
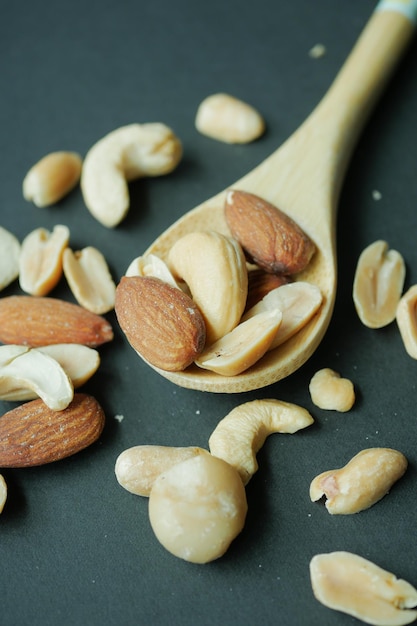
(317, 51)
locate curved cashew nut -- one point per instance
(30, 368)
(214, 268)
(241, 434)
(78, 361)
(127, 153)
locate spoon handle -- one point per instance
(313, 161)
(344, 110)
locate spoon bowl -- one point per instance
(303, 178)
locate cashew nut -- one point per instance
(361, 483)
(137, 468)
(214, 268)
(241, 434)
(127, 153)
(30, 368)
(9, 257)
(78, 361)
(349, 583)
(151, 265)
(197, 508)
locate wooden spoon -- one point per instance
(303, 178)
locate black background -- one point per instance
(77, 549)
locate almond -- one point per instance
(32, 434)
(40, 321)
(269, 237)
(161, 322)
(260, 283)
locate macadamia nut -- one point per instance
(197, 508)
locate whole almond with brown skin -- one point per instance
(269, 237)
(32, 434)
(39, 321)
(161, 322)
(260, 283)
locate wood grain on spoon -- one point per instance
(303, 178)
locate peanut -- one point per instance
(52, 178)
(137, 468)
(3, 493)
(406, 315)
(378, 284)
(349, 583)
(361, 483)
(330, 391)
(228, 119)
(89, 278)
(40, 262)
(9, 257)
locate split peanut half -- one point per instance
(9, 257)
(349, 583)
(40, 262)
(378, 284)
(89, 278)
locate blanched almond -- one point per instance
(40, 263)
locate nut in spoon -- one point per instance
(303, 178)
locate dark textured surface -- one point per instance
(76, 549)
